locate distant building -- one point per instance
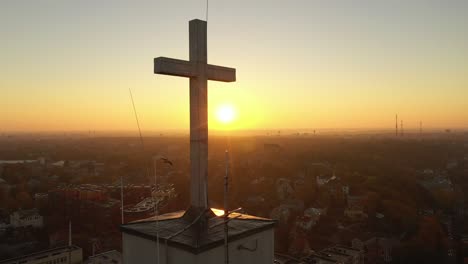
(17, 161)
(3, 227)
(353, 255)
(41, 200)
(356, 201)
(316, 211)
(323, 179)
(310, 218)
(318, 259)
(284, 188)
(79, 193)
(299, 245)
(377, 249)
(59, 255)
(438, 182)
(280, 214)
(355, 208)
(109, 257)
(295, 205)
(345, 190)
(451, 165)
(355, 214)
(428, 172)
(25, 218)
(258, 180)
(336, 255)
(4, 189)
(272, 148)
(255, 200)
(285, 259)
(426, 211)
(60, 163)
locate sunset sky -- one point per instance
(68, 65)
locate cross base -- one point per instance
(199, 217)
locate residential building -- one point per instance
(25, 218)
(59, 255)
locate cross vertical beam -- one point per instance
(198, 115)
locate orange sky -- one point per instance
(311, 64)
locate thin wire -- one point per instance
(207, 11)
(136, 117)
(147, 169)
(156, 207)
(139, 130)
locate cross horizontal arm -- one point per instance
(219, 73)
(175, 67)
(168, 66)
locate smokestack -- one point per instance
(396, 125)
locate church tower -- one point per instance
(197, 235)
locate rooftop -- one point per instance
(26, 213)
(180, 230)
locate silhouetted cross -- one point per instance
(199, 72)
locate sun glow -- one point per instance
(226, 114)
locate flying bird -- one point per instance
(166, 160)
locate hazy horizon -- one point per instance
(68, 66)
(241, 132)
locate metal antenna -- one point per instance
(156, 204)
(69, 233)
(69, 239)
(226, 210)
(156, 200)
(121, 199)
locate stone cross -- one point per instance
(199, 72)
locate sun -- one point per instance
(226, 114)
